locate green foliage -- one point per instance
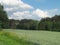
(50, 24)
(3, 18)
(0, 25)
(27, 24)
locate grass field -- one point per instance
(40, 37)
(9, 38)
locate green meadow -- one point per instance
(9, 38)
(37, 37)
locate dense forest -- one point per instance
(49, 24)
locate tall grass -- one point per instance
(8, 38)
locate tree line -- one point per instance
(49, 24)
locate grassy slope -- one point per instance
(7, 38)
(41, 37)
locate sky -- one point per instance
(31, 9)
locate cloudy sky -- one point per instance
(31, 9)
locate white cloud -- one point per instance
(35, 14)
(21, 15)
(17, 3)
(41, 13)
(8, 9)
(9, 2)
(17, 9)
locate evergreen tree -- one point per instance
(3, 18)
